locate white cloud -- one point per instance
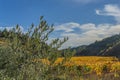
(86, 33)
(88, 26)
(110, 10)
(67, 27)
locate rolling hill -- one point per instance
(107, 47)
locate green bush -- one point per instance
(17, 57)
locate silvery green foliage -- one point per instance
(25, 48)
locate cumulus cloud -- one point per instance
(110, 10)
(67, 27)
(88, 26)
(85, 33)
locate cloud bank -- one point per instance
(84, 34)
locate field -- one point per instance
(92, 67)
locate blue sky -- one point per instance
(83, 21)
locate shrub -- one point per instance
(25, 47)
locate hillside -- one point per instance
(107, 47)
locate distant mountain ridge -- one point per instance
(107, 47)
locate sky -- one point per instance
(83, 21)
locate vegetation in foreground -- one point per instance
(27, 56)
